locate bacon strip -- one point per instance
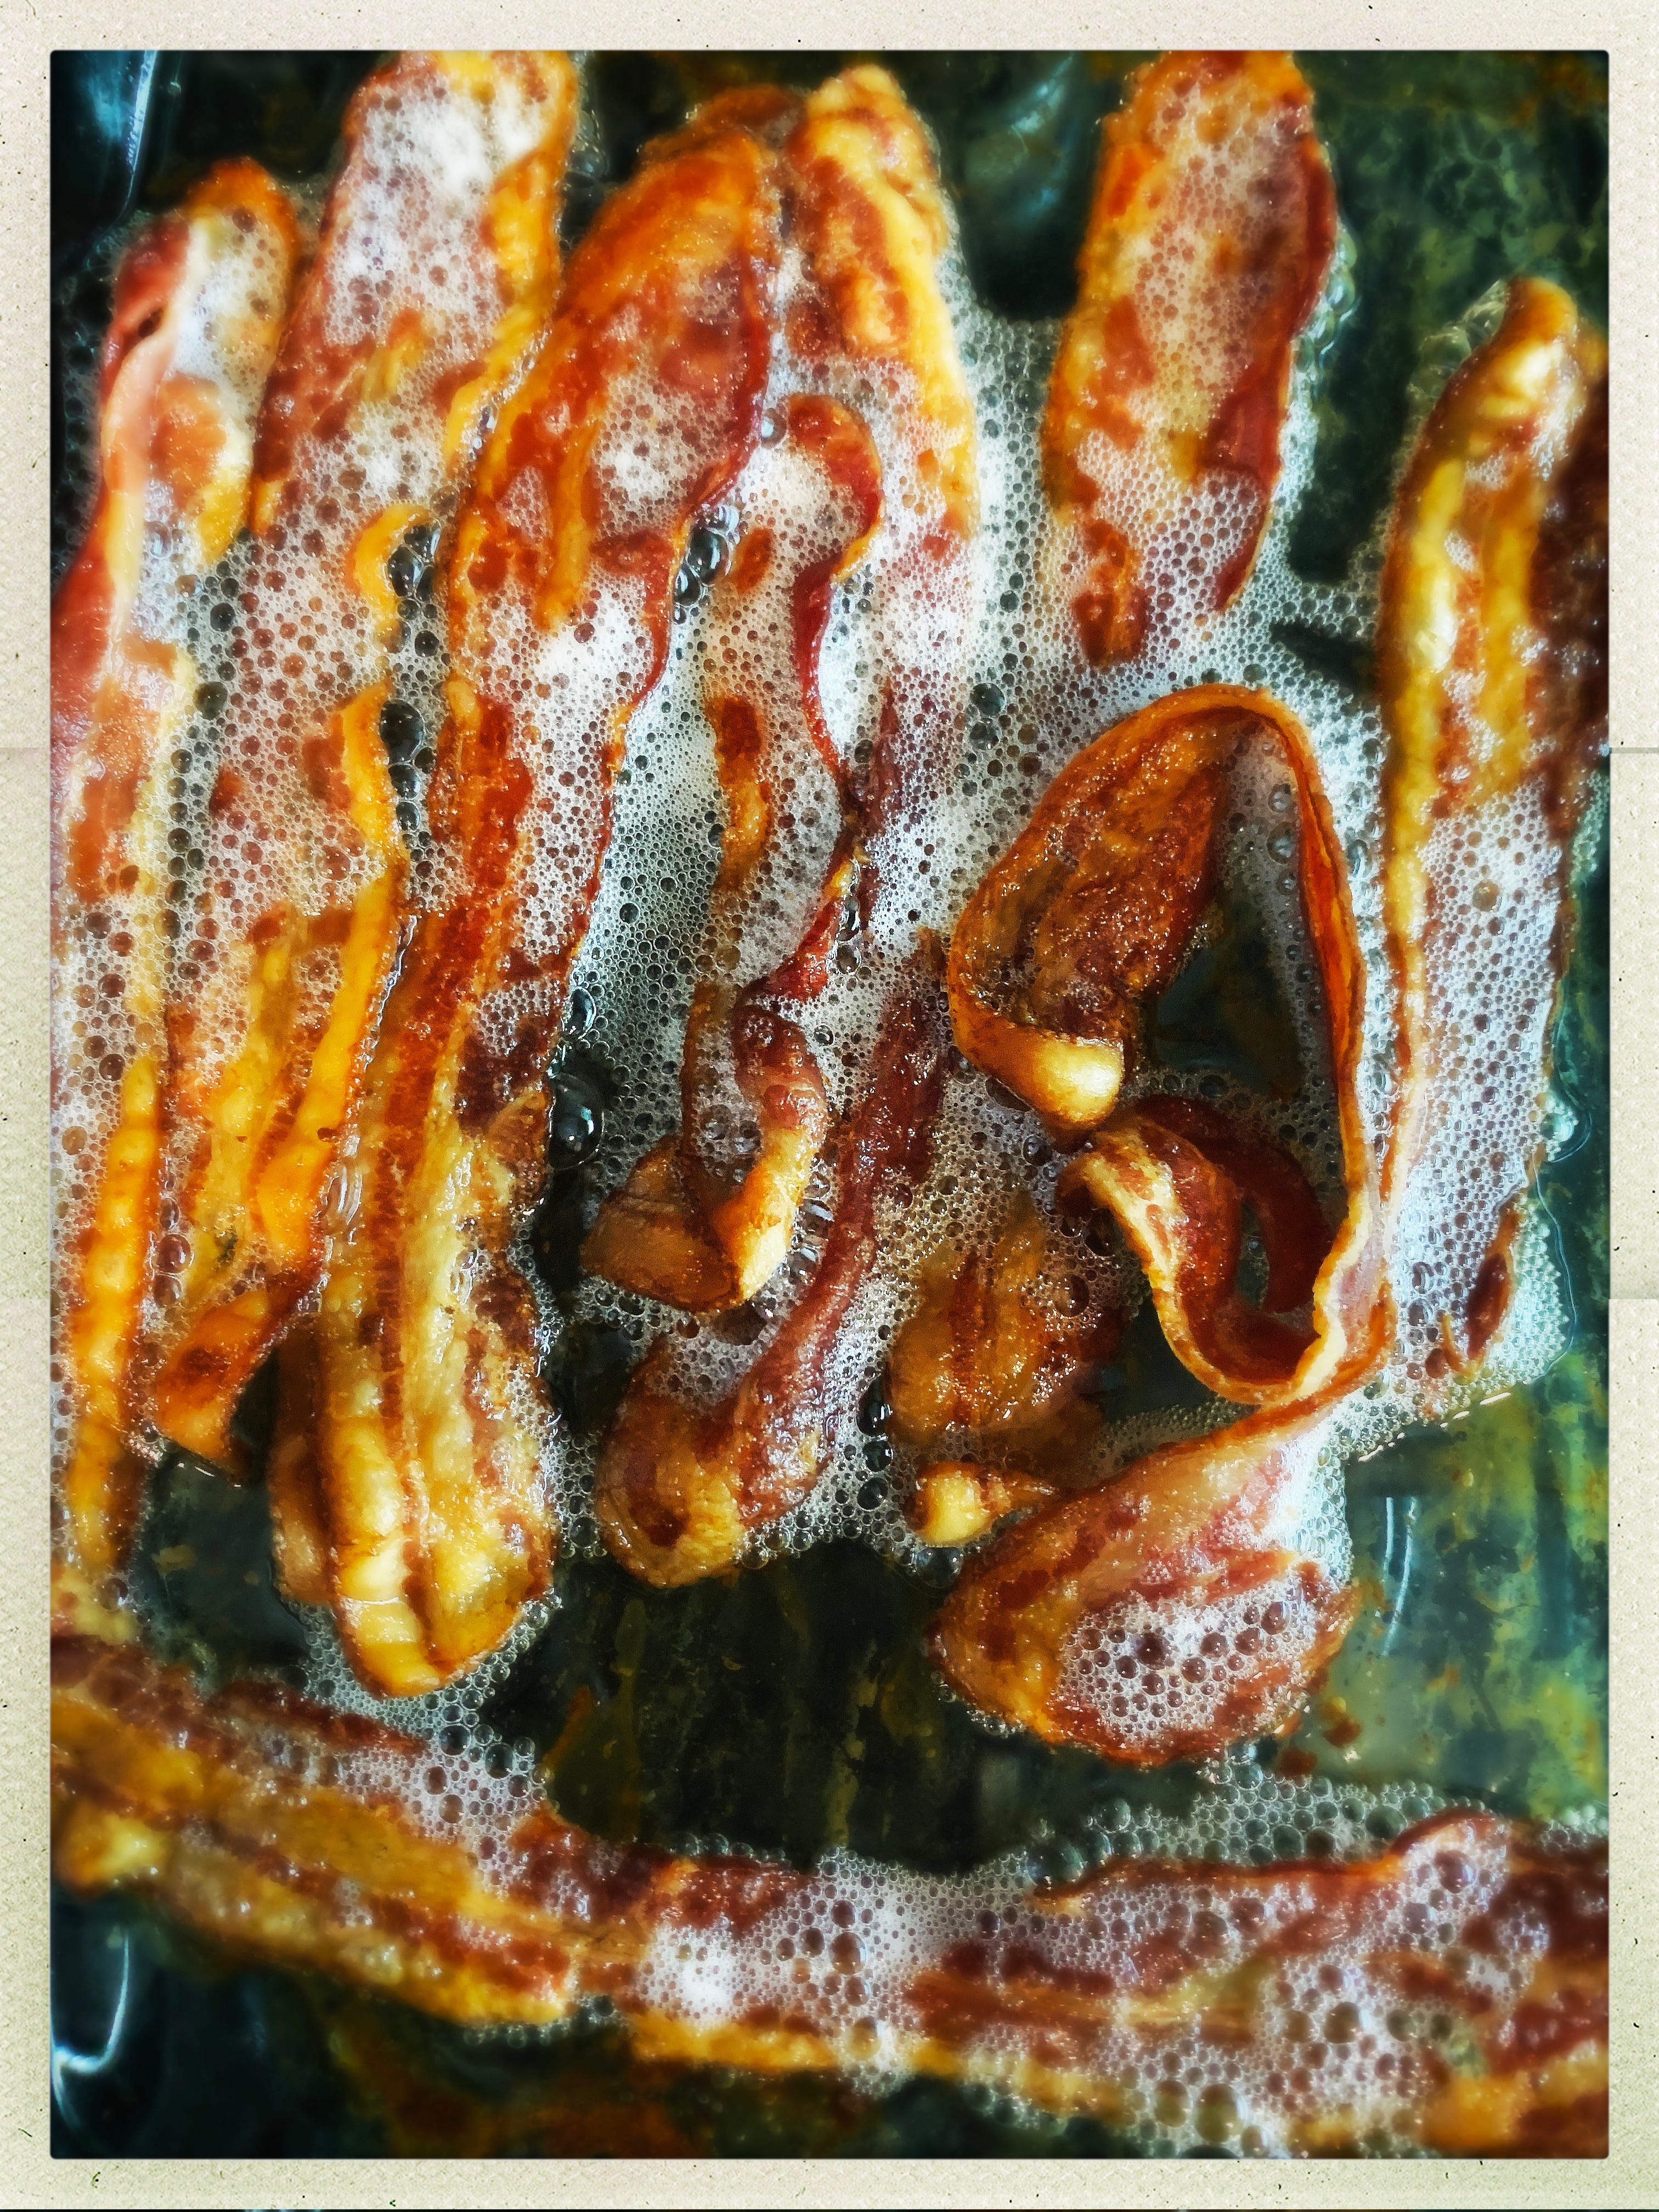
(1212, 229)
(1165, 1616)
(1491, 670)
(868, 316)
(872, 221)
(682, 1487)
(1304, 1993)
(431, 1426)
(434, 270)
(198, 304)
(683, 1228)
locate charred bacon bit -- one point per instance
(994, 1359)
(285, 1834)
(1163, 1616)
(1212, 229)
(453, 164)
(431, 1426)
(198, 304)
(682, 1487)
(1491, 673)
(688, 1227)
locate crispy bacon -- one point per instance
(1089, 914)
(1131, 1618)
(682, 1485)
(867, 210)
(1091, 910)
(869, 216)
(1493, 615)
(690, 1227)
(434, 270)
(1165, 1616)
(1491, 673)
(430, 1424)
(1315, 1997)
(198, 304)
(1211, 229)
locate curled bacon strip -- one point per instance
(682, 1487)
(1131, 1618)
(1090, 910)
(1089, 913)
(430, 1424)
(1208, 241)
(1491, 671)
(285, 1834)
(683, 1229)
(864, 202)
(453, 163)
(198, 304)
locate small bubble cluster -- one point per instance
(1160, 1670)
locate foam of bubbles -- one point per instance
(1159, 1668)
(1029, 701)
(844, 1952)
(1330, 2031)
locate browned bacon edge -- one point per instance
(284, 1834)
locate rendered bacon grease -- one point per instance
(198, 303)
(1448, 1994)
(431, 275)
(1212, 229)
